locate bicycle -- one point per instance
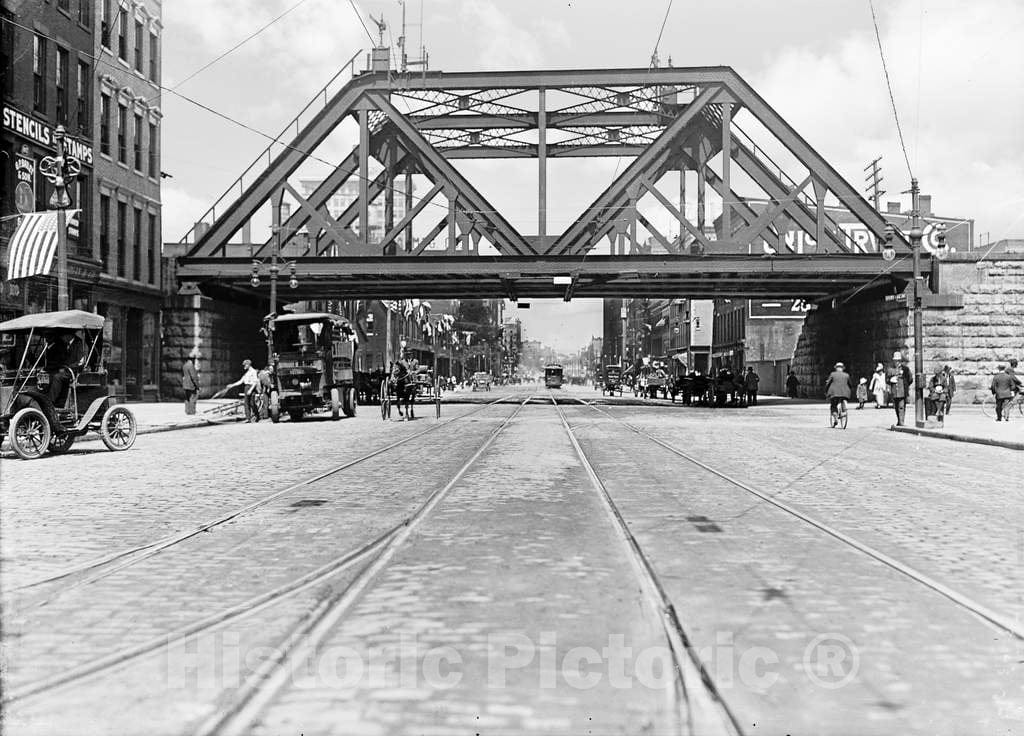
(988, 406)
(837, 418)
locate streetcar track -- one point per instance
(994, 618)
(246, 608)
(265, 683)
(706, 709)
(145, 551)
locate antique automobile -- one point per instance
(313, 366)
(53, 385)
(481, 381)
(612, 380)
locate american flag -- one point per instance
(34, 244)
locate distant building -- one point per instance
(348, 194)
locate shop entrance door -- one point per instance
(133, 355)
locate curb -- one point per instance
(157, 429)
(1008, 444)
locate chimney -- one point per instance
(892, 208)
(926, 204)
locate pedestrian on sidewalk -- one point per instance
(938, 390)
(862, 392)
(877, 386)
(791, 384)
(1004, 385)
(900, 382)
(751, 381)
(950, 384)
(190, 382)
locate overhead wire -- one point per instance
(888, 84)
(238, 45)
(361, 22)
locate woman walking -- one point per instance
(877, 386)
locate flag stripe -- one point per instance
(33, 246)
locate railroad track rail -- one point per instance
(992, 617)
(255, 692)
(122, 559)
(699, 703)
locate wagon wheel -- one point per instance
(61, 443)
(118, 428)
(335, 404)
(385, 401)
(30, 433)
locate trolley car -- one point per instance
(553, 376)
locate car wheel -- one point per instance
(275, 407)
(117, 428)
(349, 402)
(30, 433)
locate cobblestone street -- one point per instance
(474, 579)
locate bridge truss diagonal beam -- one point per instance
(506, 237)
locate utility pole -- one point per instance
(874, 179)
(915, 246)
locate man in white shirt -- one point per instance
(250, 380)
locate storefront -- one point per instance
(132, 337)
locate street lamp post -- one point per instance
(59, 169)
(275, 270)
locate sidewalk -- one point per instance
(968, 424)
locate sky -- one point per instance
(955, 69)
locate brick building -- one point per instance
(126, 232)
(48, 80)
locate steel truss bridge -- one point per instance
(678, 126)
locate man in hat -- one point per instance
(901, 380)
(190, 382)
(250, 380)
(838, 390)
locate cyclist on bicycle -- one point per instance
(838, 390)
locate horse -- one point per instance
(405, 388)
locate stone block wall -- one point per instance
(223, 333)
(986, 330)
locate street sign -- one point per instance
(778, 308)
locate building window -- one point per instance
(154, 250)
(83, 99)
(105, 232)
(122, 225)
(6, 52)
(137, 245)
(104, 22)
(85, 12)
(154, 152)
(122, 35)
(64, 5)
(139, 35)
(105, 124)
(154, 59)
(39, 74)
(62, 85)
(138, 143)
(122, 133)
(82, 190)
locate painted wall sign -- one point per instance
(39, 132)
(778, 308)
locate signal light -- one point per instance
(888, 251)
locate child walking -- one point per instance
(862, 392)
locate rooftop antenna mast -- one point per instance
(381, 27)
(423, 60)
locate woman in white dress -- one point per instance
(877, 386)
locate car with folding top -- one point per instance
(54, 384)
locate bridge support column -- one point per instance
(542, 168)
(726, 169)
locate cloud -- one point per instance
(957, 90)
